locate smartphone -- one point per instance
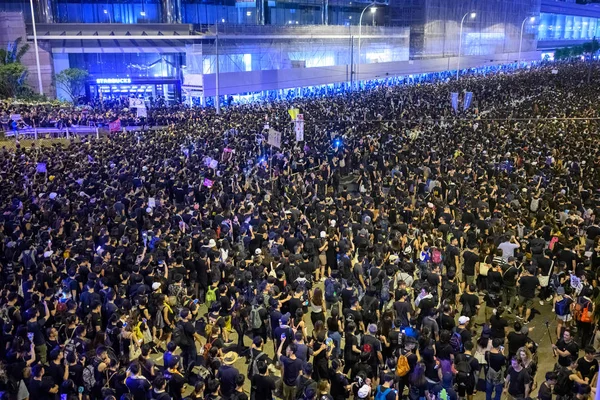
(160, 262)
(30, 336)
(282, 336)
(80, 389)
(124, 324)
(196, 301)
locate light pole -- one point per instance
(37, 50)
(360, 37)
(373, 10)
(109, 16)
(532, 20)
(217, 100)
(472, 15)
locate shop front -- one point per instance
(150, 89)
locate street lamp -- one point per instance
(373, 10)
(109, 17)
(472, 15)
(532, 20)
(37, 50)
(360, 34)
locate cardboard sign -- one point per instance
(41, 168)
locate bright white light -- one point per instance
(373, 10)
(350, 17)
(290, 22)
(223, 20)
(105, 11)
(143, 13)
(248, 13)
(473, 15)
(532, 19)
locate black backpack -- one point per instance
(564, 385)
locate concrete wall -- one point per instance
(256, 81)
(12, 26)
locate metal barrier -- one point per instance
(67, 132)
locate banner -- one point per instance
(468, 100)
(454, 97)
(299, 128)
(115, 126)
(136, 103)
(208, 183)
(214, 164)
(274, 138)
(142, 112)
(293, 113)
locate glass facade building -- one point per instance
(567, 27)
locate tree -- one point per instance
(13, 53)
(591, 47)
(12, 72)
(72, 81)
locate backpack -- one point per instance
(436, 256)
(448, 290)
(582, 312)
(379, 395)
(456, 342)
(563, 385)
(255, 319)
(366, 348)
(443, 394)
(555, 281)
(206, 348)
(89, 377)
(535, 204)
(377, 278)
(330, 290)
(402, 367)
(211, 295)
(252, 367)
(178, 337)
(385, 290)
(4, 315)
(463, 368)
(561, 308)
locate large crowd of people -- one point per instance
(399, 251)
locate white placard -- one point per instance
(135, 103)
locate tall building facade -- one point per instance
(171, 48)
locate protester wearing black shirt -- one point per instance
(566, 349)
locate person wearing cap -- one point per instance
(375, 358)
(463, 330)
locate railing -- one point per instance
(35, 133)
